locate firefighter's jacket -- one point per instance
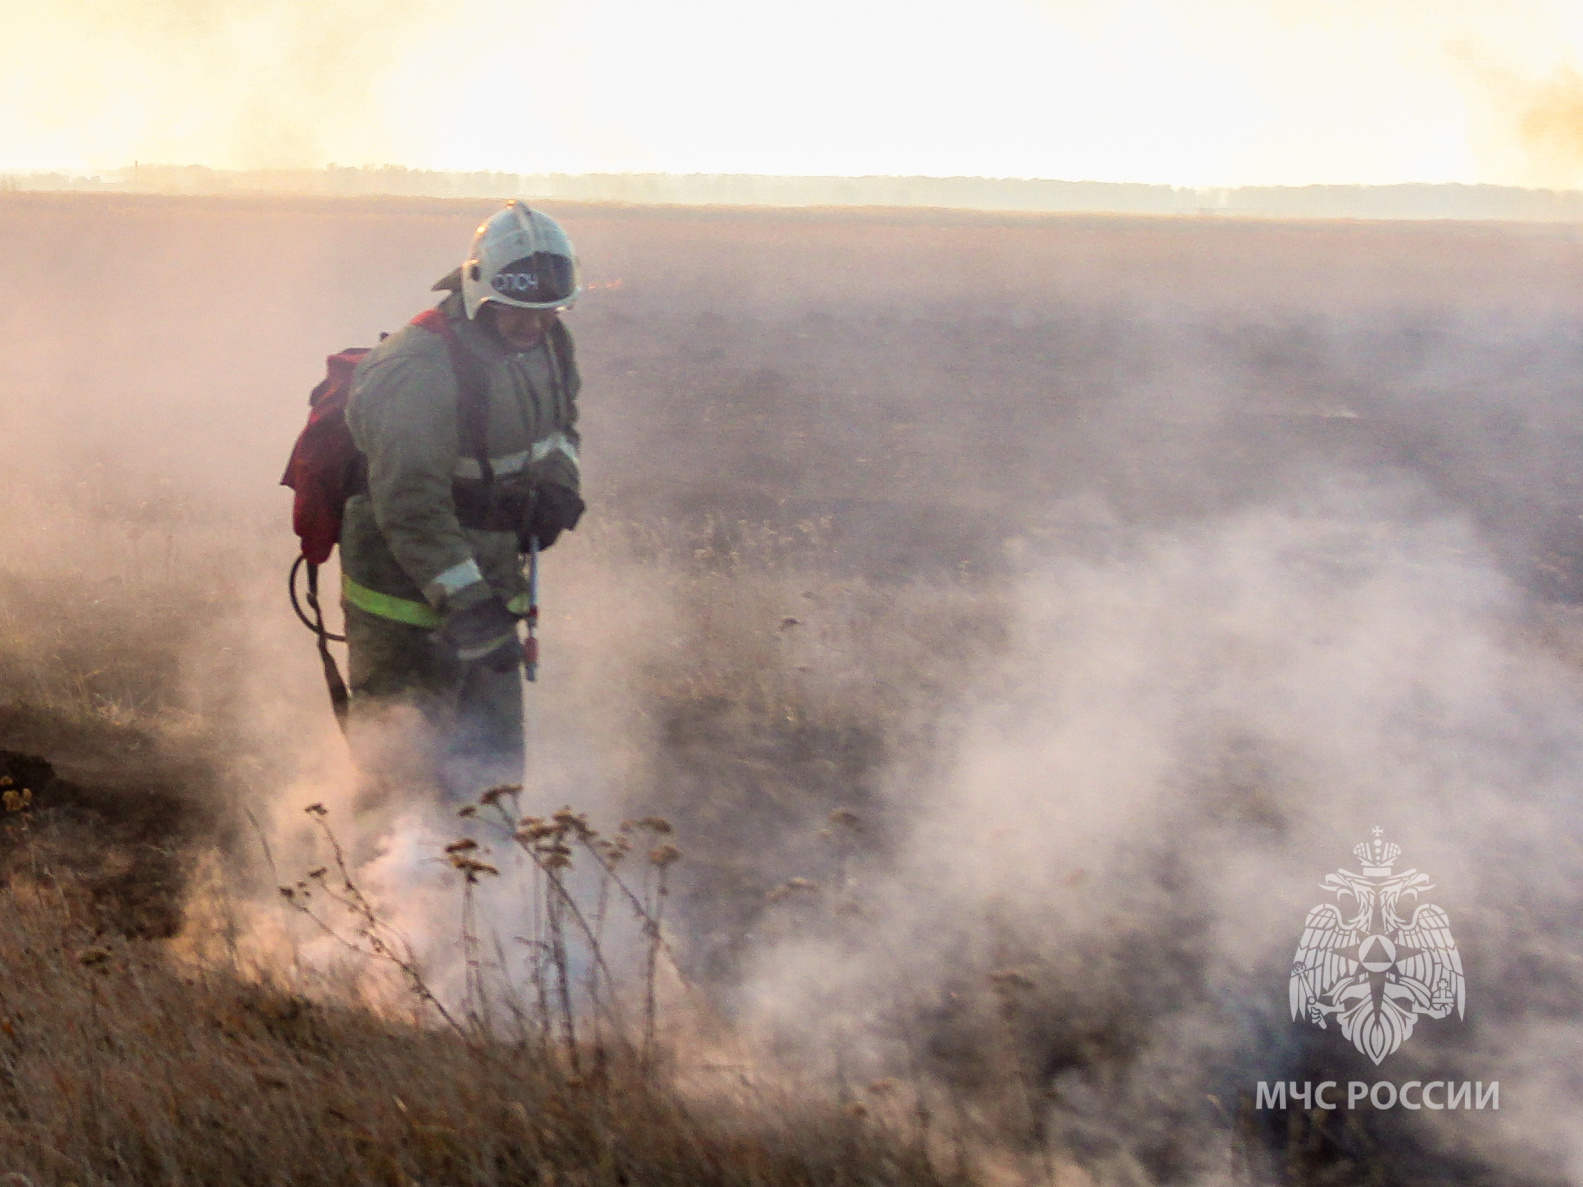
(428, 535)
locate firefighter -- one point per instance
(470, 451)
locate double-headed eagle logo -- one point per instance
(1376, 971)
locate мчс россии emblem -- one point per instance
(1372, 968)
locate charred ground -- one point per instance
(832, 432)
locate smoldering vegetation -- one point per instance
(1016, 619)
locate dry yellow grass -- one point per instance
(124, 1061)
(119, 1065)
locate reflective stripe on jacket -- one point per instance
(412, 613)
(429, 533)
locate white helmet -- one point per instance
(520, 257)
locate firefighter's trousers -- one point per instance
(423, 719)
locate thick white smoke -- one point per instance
(1192, 729)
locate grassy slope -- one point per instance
(119, 1066)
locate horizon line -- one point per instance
(1407, 200)
(137, 167)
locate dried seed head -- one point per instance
(845, 818)
(317, 809)
(495, 793)
(665, 855)
(556, 861)
(287, 892)
(577, 822)
(318, 873)
(467, 810)
(882, 1087)
(655, 824)
(461, 846)
(613, 851)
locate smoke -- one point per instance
(1096, 622)
(279, 84)
(1234, 92)
(1530, 115)
(1189, 730)
(1552, 126)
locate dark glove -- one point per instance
(552, 510)
(485, 634)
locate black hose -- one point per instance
(313, 603)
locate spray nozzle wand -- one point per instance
(530, 645)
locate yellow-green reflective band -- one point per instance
(520, 604)
(401, 609)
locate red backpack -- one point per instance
(320, 468)
(322, 471)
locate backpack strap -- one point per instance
(472, 404)
(563, 365)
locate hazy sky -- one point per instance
(1194, 92)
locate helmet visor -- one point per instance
(543, 278)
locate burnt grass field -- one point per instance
(1227, 496)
